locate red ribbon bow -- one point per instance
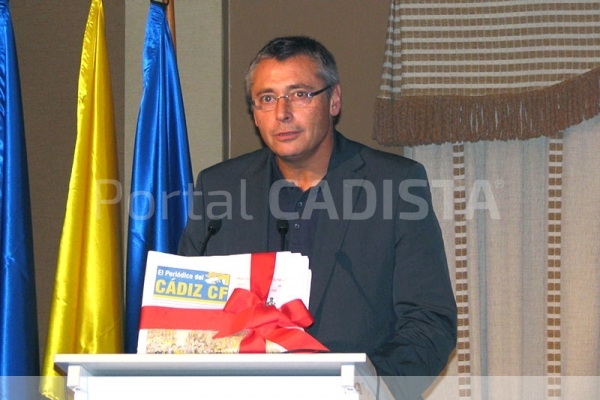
(266, 322)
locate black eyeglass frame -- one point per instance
(309, 95)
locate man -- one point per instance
(364, 218)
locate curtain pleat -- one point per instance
(580, 290)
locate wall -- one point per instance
(200, 41)
(49, 39)
(353, 30)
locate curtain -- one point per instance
(500, 100)
(469, 70)
(521, 224)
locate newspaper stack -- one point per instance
(179, 282)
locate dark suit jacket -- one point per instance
(380, 283)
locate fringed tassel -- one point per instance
(421, 120)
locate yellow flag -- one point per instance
(87, 305)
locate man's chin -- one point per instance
(288, 156)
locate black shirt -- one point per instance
(289, 202)
(300, 209)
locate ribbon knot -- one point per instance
(267, 322)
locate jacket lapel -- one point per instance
(331, 233)
(253, 210)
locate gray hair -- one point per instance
(283, 48)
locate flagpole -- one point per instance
(171, 20)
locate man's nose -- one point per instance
(282, 108)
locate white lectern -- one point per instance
(327, 376)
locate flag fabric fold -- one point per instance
(161, 183)
(19, 350)
(87, 305)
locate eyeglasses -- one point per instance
(295, 98)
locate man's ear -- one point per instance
(335, 101)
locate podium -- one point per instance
(279, 376)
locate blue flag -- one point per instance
(161, 183)
(19, 350)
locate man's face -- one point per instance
(297, 135)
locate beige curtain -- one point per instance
(523, 246)
(499, 100)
